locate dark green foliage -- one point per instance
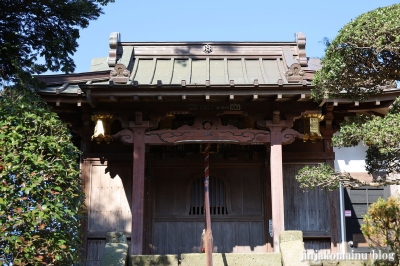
(41, 198)
(382, 227)
(325, 177)
(360, 62)
(380, 134)
(47, 29)
(364, 56)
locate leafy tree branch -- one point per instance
(46, 30)
(363, 59)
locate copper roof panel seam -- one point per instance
(189, 77)
(271, 70)
(199, 69)
(143, 71)
(180, 71)
(281, 70)
(288, 56)
(263, 71)
(217, 71)
(135, 68)
(152, 71)
(171, 68)
(253, 71)
(235, 71)
(162, 71)
(226, 70)
(207, 68)
(244, 71)
(127, 54)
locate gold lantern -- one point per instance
(102, 130)
(311, 126)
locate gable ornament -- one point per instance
(207, 48)
(119, 74)
(295, 73)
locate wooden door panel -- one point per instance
(175, 231)
(109, 208)
(184, 237)
(306, 211)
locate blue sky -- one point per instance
(219, 20)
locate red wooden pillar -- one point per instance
(278, 223)
(138, 191)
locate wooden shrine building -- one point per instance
(143, 115)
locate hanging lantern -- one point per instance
(311, 126)
(102, 130)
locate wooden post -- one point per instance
(85, 168)
(278, 223)
(334, 196)
(208, 235)
(138, 191)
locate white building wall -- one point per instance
(353, 160)
(350, 159)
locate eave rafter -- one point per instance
(207, 92)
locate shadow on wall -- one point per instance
(110, 198)
(109, 207)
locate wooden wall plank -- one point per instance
(174, 238)
(258, 244)
(243, 238)
(160, 239)
(190, 236)
(252, 191)
(228, 238)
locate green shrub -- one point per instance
(382, 227)
(41, 198)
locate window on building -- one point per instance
(218, 204)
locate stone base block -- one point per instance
(232, 259)
(115, 254)
(292, 248)
(154, 260)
